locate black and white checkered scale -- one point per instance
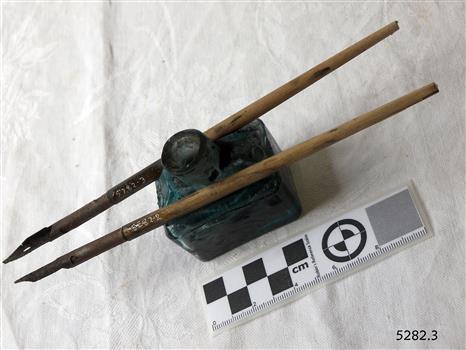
(260, 278)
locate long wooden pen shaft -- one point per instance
(152, 172)
(284, 92)
(233, 183)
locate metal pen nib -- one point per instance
(87, 251)
(47, 270)
(31, 243)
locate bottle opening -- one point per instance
(183, 151)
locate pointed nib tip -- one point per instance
(31, 243)
(18, 253)
(23, 279)
(7, 260)
(46, 270)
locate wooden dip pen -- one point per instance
(229, 185)
(152, 172)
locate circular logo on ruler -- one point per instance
(344, 240)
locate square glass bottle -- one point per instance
(192, 161)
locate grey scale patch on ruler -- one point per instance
(393, 217)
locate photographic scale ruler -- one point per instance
(307, 261)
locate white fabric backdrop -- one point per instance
(90, 93)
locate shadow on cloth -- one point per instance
(315, 179)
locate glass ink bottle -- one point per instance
(192, 161)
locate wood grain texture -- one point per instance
(291, 88)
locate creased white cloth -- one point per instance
(92, 90)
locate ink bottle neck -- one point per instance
(192, 157)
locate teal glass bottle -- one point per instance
(192, 161)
